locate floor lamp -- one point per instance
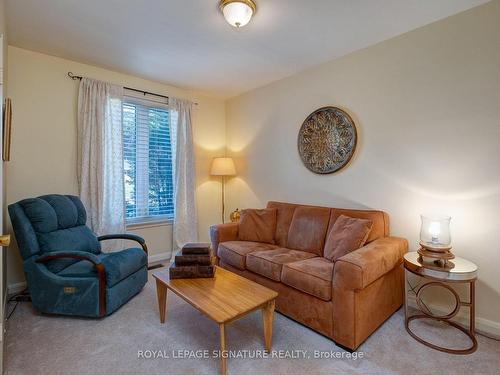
(223, 167)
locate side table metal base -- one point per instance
(463, 272)
(472, 338)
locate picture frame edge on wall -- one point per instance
(6, 129)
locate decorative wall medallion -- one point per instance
(327, 140)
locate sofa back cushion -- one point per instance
(284, 215)
(346, 235)
(286, 211)
(308, 229)
(380, 220)
(257, 225)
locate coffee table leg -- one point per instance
(222, 348)
(267, 322)
(161, 293)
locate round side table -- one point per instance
(459, 270)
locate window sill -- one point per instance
(149, 223)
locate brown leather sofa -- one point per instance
(345, 300)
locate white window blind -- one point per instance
(148, 162)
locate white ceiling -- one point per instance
(188, 43)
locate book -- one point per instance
(191, 272)
(187, 260)
(196, 248)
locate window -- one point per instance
(147, 161)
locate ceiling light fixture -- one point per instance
(238, 12)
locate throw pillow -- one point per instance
(257, 225)
(347, 234)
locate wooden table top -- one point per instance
(223, 298)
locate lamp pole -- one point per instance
(223, 198)
(223, 167)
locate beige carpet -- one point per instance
(39, 344)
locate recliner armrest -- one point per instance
(81, 255)
(361, 267)
(125, 236)
(222, 233)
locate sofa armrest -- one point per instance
(361, 267)
(222, 233)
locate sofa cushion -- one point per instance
(284, 215)
(347, 234)
(117, 266)
(312, 276)
(234, 252)
(380, 220)
(308, 229)
(257, 225)
(269, 263)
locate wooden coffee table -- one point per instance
(223, 298)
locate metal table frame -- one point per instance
(441, 278)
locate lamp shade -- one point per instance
(223, 167)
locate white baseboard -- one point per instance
(161, 257)
(485, 327)
(488, 328)
(16, 288)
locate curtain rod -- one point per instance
(75, 77)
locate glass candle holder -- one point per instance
(435, 231)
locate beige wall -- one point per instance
(427, 108)
(43, 156)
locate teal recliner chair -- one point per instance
(65, 269)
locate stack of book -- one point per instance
(194, 260)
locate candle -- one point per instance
(434, 231)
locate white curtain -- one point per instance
(100, 161)
(185, 214)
